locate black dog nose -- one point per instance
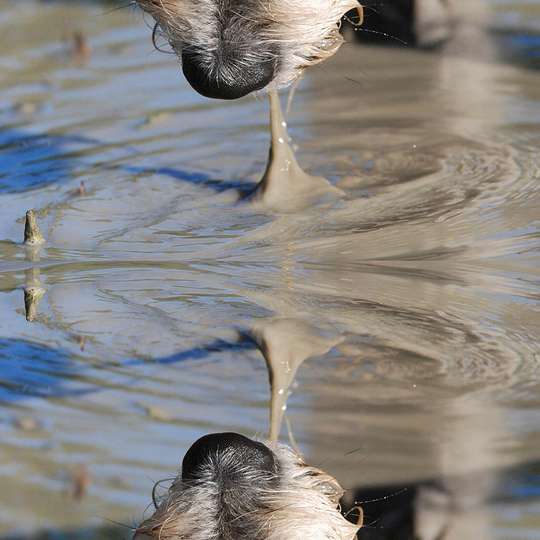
(226, 76)
(231, 458)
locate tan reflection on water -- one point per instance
(286, 344)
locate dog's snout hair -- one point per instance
(232, 47)
(234, 488)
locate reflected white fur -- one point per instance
(302, 506)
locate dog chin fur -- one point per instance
(299, 33)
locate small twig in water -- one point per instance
(32, 234)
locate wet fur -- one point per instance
(303, 504)
(299, 33)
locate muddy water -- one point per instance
(408, 308)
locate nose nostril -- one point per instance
(227, 78)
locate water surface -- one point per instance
(410, 308)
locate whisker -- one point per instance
(385, 498)
(389, 36)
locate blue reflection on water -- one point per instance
(520, 47)
(32, 160)
(29, 369)
(32, 370)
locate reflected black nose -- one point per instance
(228, 76)
(231, 458)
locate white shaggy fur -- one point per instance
(304, 505)
(304, 32)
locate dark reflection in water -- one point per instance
(28, 369)
(521, 48)
(430, 511)
(32, 370)
(32, 160)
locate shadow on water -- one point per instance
(29, 369)
(195, 178)
(518, 47)
(432, 511)
(31, 160)
(392, 24)
(34, 160)
(33, 370)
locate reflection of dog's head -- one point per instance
(230, 48)
(234, 488)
